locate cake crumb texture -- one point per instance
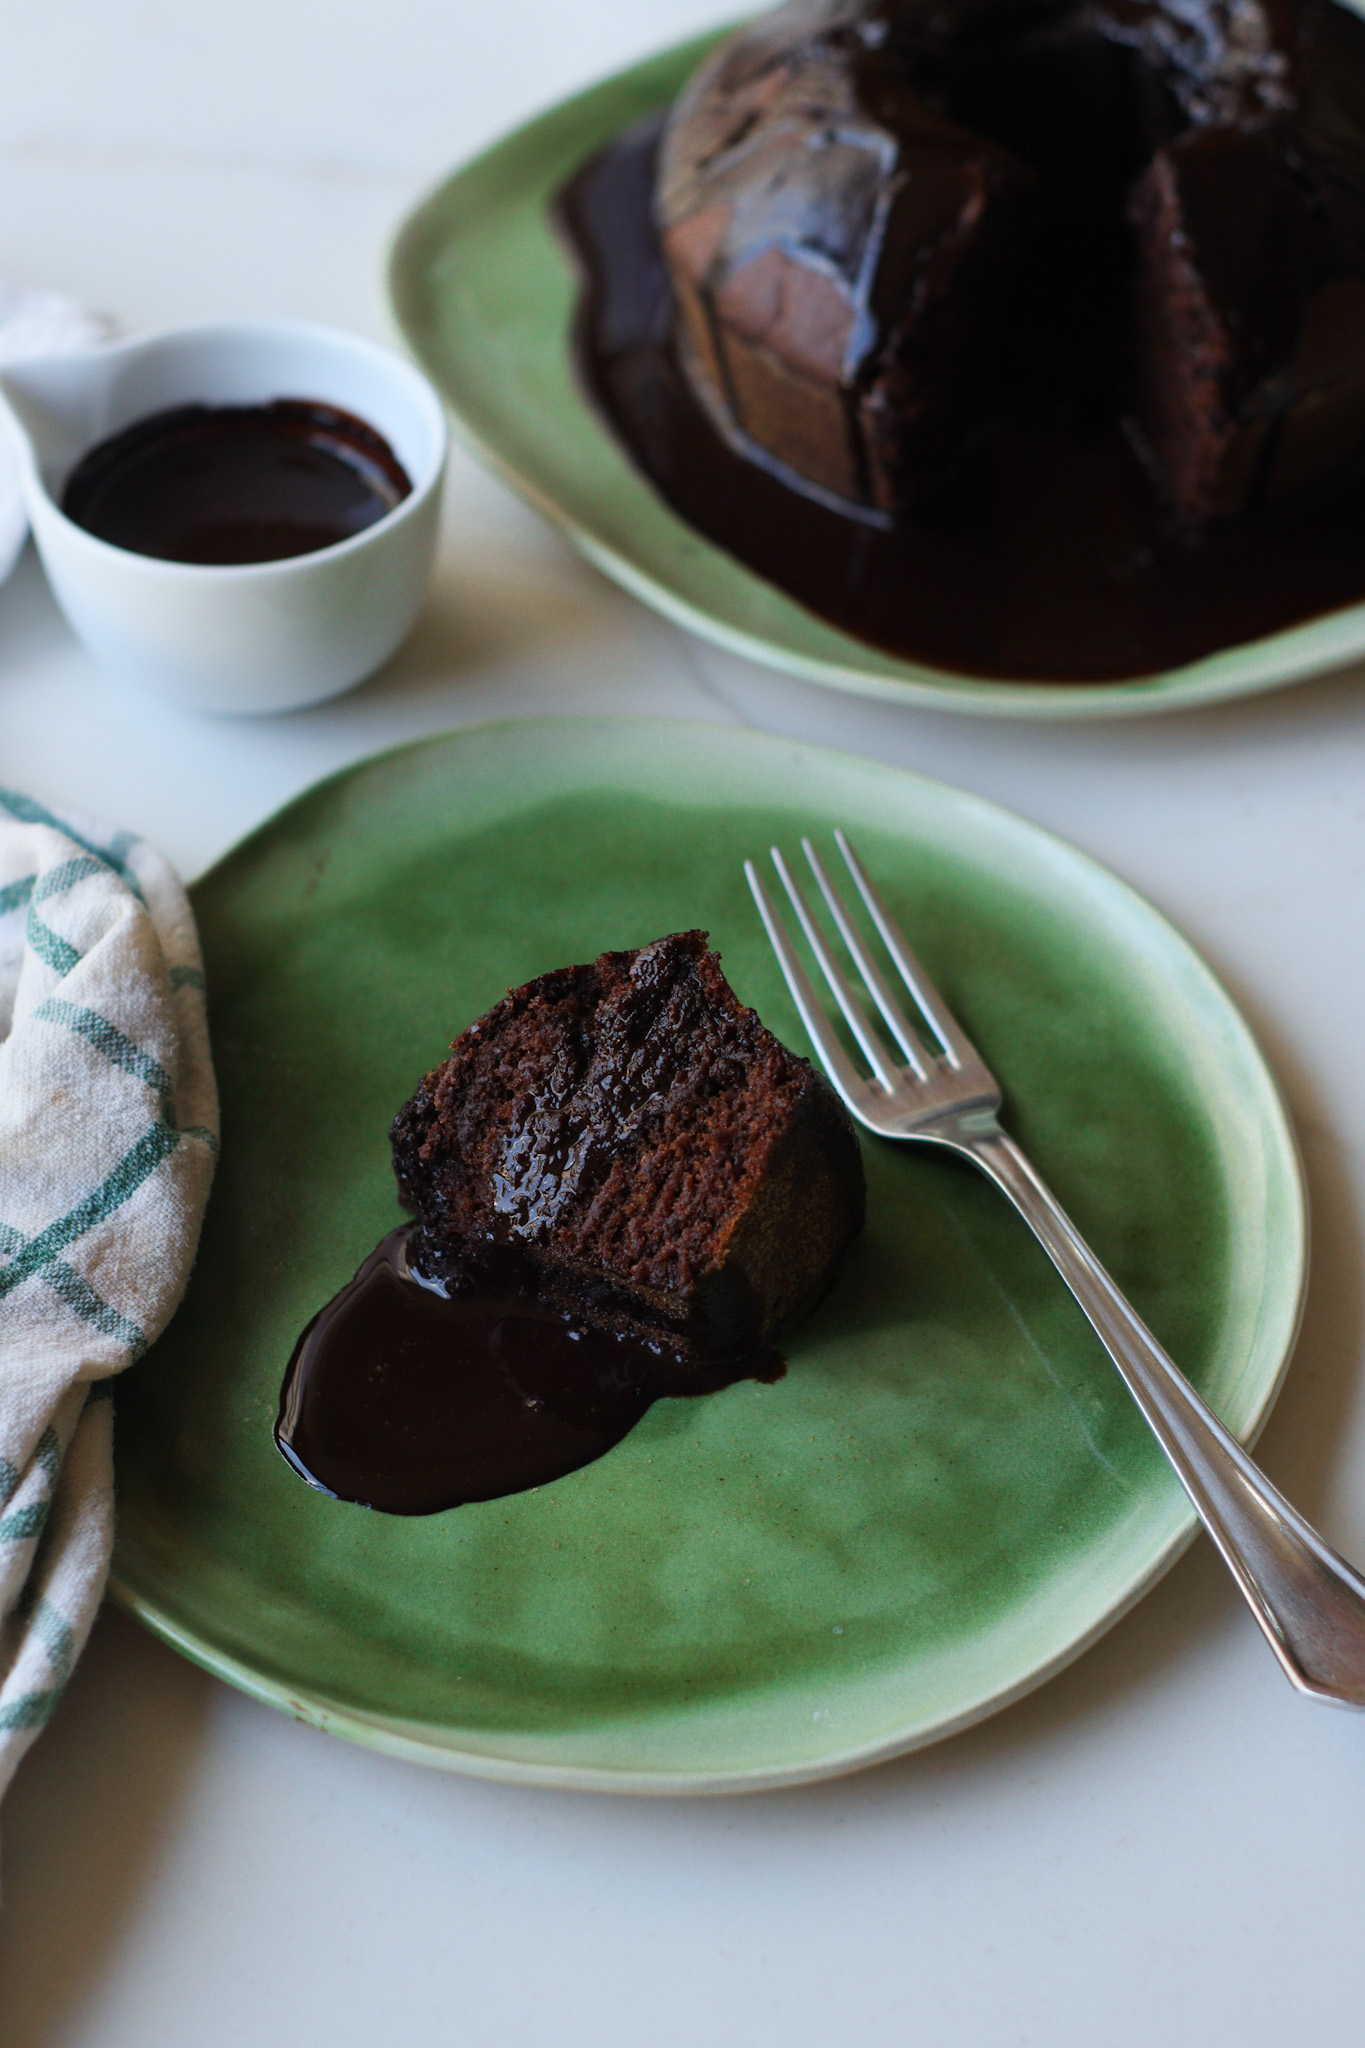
(660, 1159)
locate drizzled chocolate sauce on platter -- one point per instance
(1049, 559)
(225, 484)
(408, 1398)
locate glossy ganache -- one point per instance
(624, 1187)
(411, 1397)
(888, 220)
(229, 484)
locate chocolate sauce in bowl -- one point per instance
(226, 484)
(1050, 559)
(404, 1397)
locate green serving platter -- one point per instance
(947, 1496)
(484, 290)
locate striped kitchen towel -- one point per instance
(108, 1134)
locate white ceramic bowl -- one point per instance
(262, 636)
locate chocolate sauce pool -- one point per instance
(226, 484)
(405, 1398)
(1049, 560)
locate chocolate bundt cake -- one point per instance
(643, 1148)
(886, 221)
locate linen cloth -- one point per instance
(108, 1136)
(34, 324)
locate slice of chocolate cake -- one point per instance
(641, 1148)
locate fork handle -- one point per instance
(1309, 1602)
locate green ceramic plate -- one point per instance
(485, 291)
(947, 1496)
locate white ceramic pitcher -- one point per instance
(254, 637)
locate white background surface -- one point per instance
(1162, 1845)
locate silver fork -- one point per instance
(1309, 1602)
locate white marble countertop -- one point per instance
(1163, 1844)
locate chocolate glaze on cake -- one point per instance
(1048, 554)
(833, 308)
(887, 222)
(659, 1161)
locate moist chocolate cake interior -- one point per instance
(653, 1156)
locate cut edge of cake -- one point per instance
(576, 1138)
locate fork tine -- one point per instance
(900, 1024)
(947, 1030)
(873, 1050)
(833, 1058)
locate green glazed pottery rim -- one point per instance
(1278, 1323)
(565, 134)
